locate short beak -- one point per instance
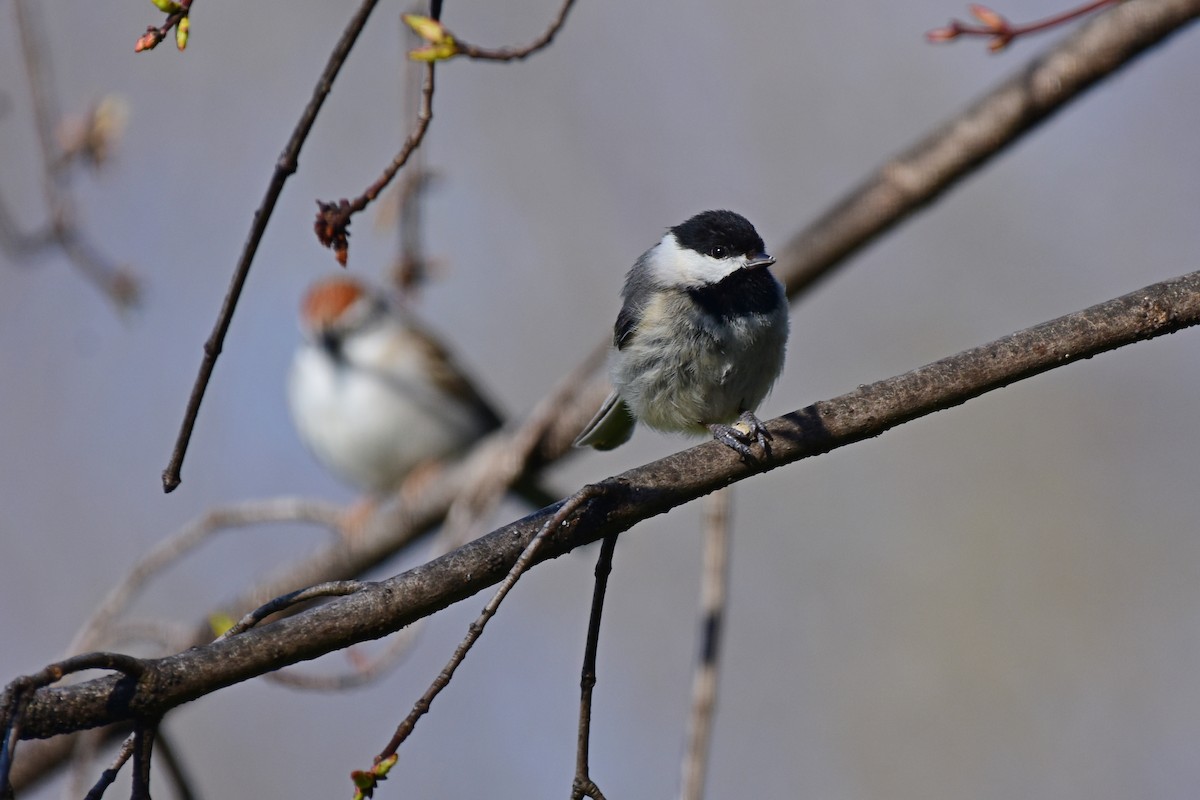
(760, 260)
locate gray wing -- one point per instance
(612, 425)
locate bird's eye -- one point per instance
(718, 251)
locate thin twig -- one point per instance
(329, 589)
(284, 168)
(109, 775)
(518, 53)
(333, 218)
(713, 598)
(1001, 31)
(154, 35)
(583, 785)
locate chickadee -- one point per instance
(700, 338)
(372, 393)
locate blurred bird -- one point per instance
(700, 338)
(374, 395)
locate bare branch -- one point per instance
(614, 506)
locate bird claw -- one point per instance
(739, 436)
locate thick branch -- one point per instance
(629, 498)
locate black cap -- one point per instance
(719, 234)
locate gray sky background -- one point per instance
(997, 601)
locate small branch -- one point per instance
(333, 218)
(713, 597)
(329, 589)
(583, 785)
(1001, 31)
(284, 168)
(109, 775)
(518, 53)
(175, 19)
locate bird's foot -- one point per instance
(742, 434)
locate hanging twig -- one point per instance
(583, 785)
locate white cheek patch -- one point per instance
(678, 266)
